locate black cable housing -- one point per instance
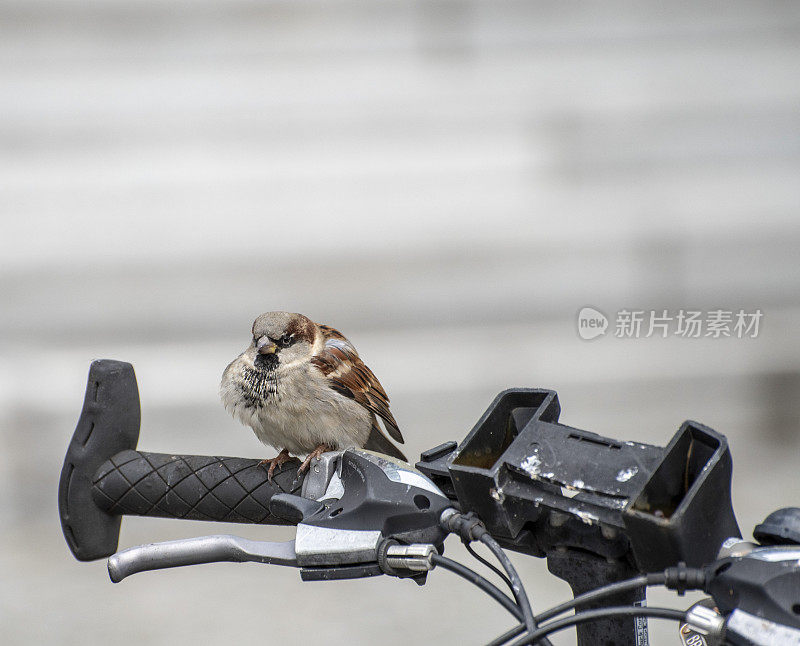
(484, 584)
(470, 528)
(600, 613)
(679, 578)
(517, 587)
(493, 568)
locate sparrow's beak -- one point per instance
(265, 346)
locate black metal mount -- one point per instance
(598, 509)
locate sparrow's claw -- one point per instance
(322, 448)
(272, 463)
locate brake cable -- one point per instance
(679, 578)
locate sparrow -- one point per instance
(303, 389)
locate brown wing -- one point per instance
(348, 375)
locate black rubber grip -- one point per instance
(194, 487)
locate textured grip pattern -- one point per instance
(194, 487)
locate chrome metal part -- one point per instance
(321, 472)
(760, 631)
(416, 557)
(194, 551)
(316, 545)
(705, 620)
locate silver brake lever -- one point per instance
(194, 551)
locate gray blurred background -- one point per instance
(448, 183)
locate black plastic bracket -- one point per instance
(539, 485)
(597, 508)
(683, 511)
(340, 572)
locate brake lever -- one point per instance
(195, 551)
(359, 515)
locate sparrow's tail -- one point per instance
(377, 441)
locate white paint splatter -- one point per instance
(626, 474)
(531, 465)
(585, 516)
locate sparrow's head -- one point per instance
(282, 338)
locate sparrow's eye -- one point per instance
(286, 341)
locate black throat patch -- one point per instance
(260, 385)
(268, 362)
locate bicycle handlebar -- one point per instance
(192, 487)
(352, 508)
(363, 514)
